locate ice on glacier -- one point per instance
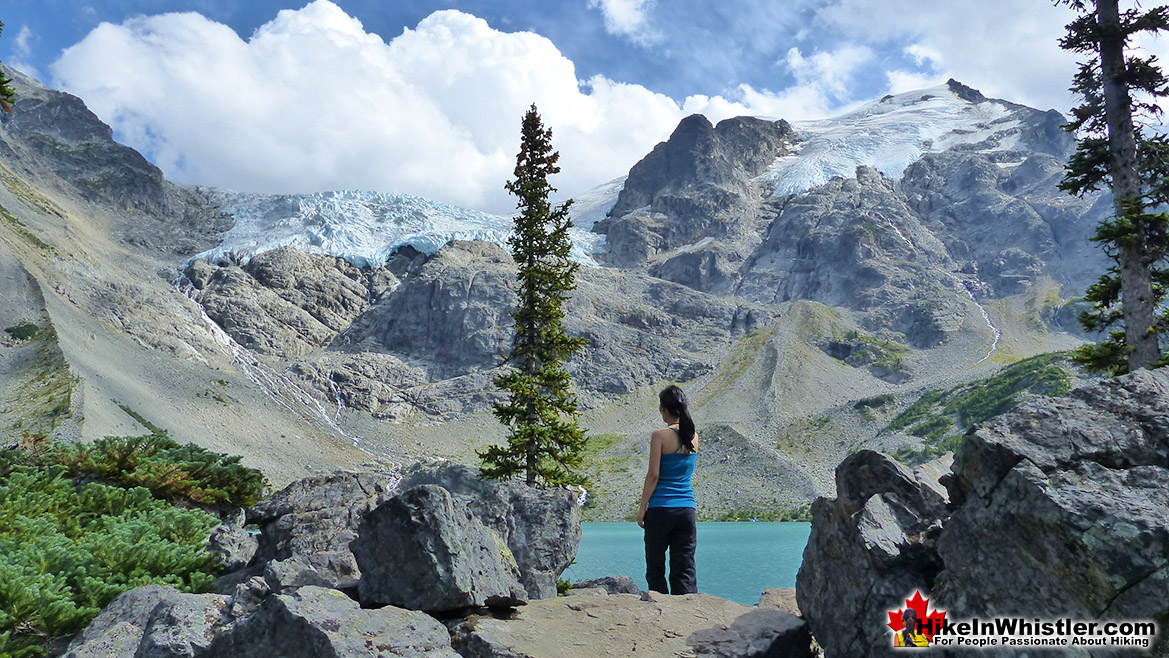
(889, 135)
(366, 228)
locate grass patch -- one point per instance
(18, 227)
(28, 194)
(142, 421)
(875, 402)
(45, 400)
(936, 414)
(23, 331)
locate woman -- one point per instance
(667, 508)
(909, 637)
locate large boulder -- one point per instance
(425, 550)
(541, 527)
(1057, 509)
(314, 621)
(868, 546)
(307, 526)
(152, 622)
(649, 626)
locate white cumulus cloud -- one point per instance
(628, 18)
(311, 101)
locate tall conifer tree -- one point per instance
(545, 442)
(1118, 91)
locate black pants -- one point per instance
(673, 528)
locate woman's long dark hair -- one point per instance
(909, 618)
(674, 401)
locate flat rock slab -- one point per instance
(628, 625)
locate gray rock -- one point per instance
(1074, 493)
(541, 527)
(763, 633)
(234, 545)
(285, 302)
(307, 526)
(1059, 508)
(151, 622)
(451, 311)
(611, 585)
(782, 598)
(424, 550)
(315, 621)
(248, 596)
(869, 546)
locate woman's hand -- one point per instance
(641, 517)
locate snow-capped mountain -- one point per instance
(893, 133)
(365, 228)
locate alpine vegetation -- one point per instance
(544, 442)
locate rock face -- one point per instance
(161, 622)
(628, 625)
(285, 302)
(308, 528)
(541, 528)
(695, 180)
(314, 621)
(151, 622)
(424, 550)
(1057, 509)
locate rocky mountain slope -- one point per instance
(781, 272)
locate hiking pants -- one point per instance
(671, 528)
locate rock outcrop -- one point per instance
(285, 302)
(152, 622)
(314, 621)
(541, 528)
(306, 529)
(424, 550)
(1057, 509)
(428, 546)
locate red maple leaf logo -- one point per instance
(929, 623)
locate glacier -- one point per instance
(366, 228)
(889, 135)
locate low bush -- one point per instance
(70, 550)
(158, 463)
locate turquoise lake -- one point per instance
(735, 561)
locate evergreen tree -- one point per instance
(545, 442)
(7, 95)
(1119, 90)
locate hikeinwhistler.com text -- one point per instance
(1020, 632)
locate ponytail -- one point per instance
(674, 401)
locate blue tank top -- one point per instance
(674, 488)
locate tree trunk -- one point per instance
(1136, 282)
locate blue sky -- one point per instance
(426, 97)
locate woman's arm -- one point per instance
(651, 474)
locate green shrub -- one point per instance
(917, 410)
(158, 463)
(69, 551)
(875, 402)
(23, 331)
(932, 417)
(802, 512)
